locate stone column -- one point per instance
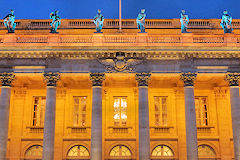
(143, 116)
(49, 121)
(6, 79)
(96, 129)
(233, 80)
(190, 116)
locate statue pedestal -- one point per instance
(10, 38)
(98, 38)
(53, 39)
(230, 39)
(187, 39)
(142, 37)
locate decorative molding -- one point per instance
(51, 78)
(143, 78)
(233, 79)
(120, 63)
(7, 78)
(61, 93)
(97, 78)
(188, 78)
(220, 92)
(20, 92)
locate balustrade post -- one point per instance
(6, 79)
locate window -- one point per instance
(120, 111)
(162, 151)
(38, 111)
(34, 152)
(78, 151)
(201, 111)
(79, 111)
(160, 106)
(206, 152)
(120, 151)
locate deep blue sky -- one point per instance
(156, 9)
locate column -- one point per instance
(190, 115)
(233, 80)
(49, 121)
(96, 129)
(143, 116)
(6, 79)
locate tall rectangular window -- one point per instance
(160, 106)
(38, 111)
(120, 111)
(79, 111)
(201, 111)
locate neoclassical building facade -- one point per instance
(160, 95)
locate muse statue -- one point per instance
(226, 22)
(141, 20)
(9, 22)
(184, 22)
(56, 21)
(98, 21)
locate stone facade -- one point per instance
(156, 95)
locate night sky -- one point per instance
(155, 9)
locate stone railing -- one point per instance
(120, 40)
(29, 24)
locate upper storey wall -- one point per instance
(153, 26)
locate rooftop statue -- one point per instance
(141, 20)
(226, 22)
(184, 22)
(56, 21)
(9, 22)
(98, 20)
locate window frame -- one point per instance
(120, 120)
(79, 111)
(32, 109)
(202, 112)
(160, 111)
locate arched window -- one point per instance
(120, 151)
(162, 151)
(78, 151)
(34, 152)
(205, 151)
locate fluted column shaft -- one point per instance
(96, 129)
(49, 121)
(6, 79)
(190, 116)
(233, 79)
(143, 112)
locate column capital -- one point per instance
(143, 79)
(97, 78)
(188, 78)
(51, 78)
(7, 78)
(233, 79)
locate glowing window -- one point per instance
(160, 105)
(201, 111)
(120, 151)
(38, 111)
(79, 111)
(78, 151)
(205, 151)
(162, 151)
(120, 111)
(34, 152)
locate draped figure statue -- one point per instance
(141, 20)
(9, 22)
(184, 22)
(98, 21)
(56, 21)
(226, 22)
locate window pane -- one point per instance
(120, 111)
(201, 111)
(120, 151)
(78, 151)
(79, 111)
(206, 151)
(38, 111)
(162, 151)
(34, 152)
(160, 105)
